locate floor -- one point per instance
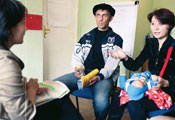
(86, 109)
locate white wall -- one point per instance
(31, 51)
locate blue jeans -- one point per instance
(100, 91)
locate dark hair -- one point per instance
(104, 6)
(164, 16)
(11, 13)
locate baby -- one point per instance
(139, 85)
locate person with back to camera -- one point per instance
(91, 52)
(155, 50)
(17, 96)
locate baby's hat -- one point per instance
(136, 93)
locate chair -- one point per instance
(84, 93)
(160, 112)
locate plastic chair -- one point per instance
(84, 93)
(160, 112)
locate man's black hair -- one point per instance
(104, 6)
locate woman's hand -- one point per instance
(33, 84)
(160, 83)
(32, 87)
(119, 54)
(41, 90)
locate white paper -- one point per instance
(56, 90)
(124, 23)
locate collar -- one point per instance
(110, 32)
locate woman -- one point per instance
(17, 97)
(155, 50)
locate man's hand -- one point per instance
(77, 72)
(94, 80)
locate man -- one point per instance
(92, 51)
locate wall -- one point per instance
(165, 4)
(31, 51)
(142, 27)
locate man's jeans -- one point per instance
(100, 91)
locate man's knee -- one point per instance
(101, 103)
(69, 80)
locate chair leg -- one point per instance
(77, 103)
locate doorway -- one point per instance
(61, 17)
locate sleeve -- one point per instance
(111, 63)
(77, 56)
(134, 65)
(172, 84)
(13, 91)
(170, 89)
(109, 68)
(79, 53)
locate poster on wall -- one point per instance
(124, 23)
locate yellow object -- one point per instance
(84, 81)
(79, 66)
(81, 72)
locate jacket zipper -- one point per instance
(157, 60)
(156, 63)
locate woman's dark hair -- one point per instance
(104, 6)
(11, 13)
(164, 16)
